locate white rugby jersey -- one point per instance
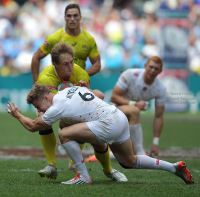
(76, 104)
(132, 81)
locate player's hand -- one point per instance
(142, 105)
(83, 83)
(13, 109)
(154, 151)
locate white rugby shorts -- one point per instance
(113, 129)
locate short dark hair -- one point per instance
(71, 6)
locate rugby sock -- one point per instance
(145, 162)
(73, 150)
(49, 145)
(104, 158)
(137, 138)
(81, 145)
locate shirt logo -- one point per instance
(144, 89)
(74, 44)
(157, 161)
(123, 79)
(46, 43)
(136, 74)
(84, 47)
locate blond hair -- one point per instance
(155, 59)
(61, 48)
(37, 93)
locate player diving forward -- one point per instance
(96, 122)
(64, 69)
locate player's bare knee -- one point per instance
(62, 136)
(128, 164)
(135, 113)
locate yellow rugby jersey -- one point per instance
(50, 78)
(84, 45)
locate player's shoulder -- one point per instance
(135, 72)
(47, 70)
(58, 32)
(47, 75)
(161, 86)
(77, 68)
(86, 34)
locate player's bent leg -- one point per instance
(79, 132)
(136, 134)
(124, 154)
(102, 154)
(71, 163)
(62, 150)
(145, 162)
(48, 140)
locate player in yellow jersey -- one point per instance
(82, 42)
(64, 69)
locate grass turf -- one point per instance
(19, 178)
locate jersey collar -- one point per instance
(67, 33)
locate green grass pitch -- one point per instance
(19, 177)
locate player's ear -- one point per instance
(145, 65)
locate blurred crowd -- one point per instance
(126, 32)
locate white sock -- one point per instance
(145, 162)
(137, 138)
(73, 150)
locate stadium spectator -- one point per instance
(33, 20)
(96, 122)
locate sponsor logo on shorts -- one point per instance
(46, 43)
(157, 161)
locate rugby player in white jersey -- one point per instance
(96, 122)
(133, 90)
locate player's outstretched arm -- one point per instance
(35, 64)
(31, 125)
(157, 129)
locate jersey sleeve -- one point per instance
(125, 79)
(51, 115)
(93, 48)
(80, 74)
(48, 81)
(160, 100)
(50, 41)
